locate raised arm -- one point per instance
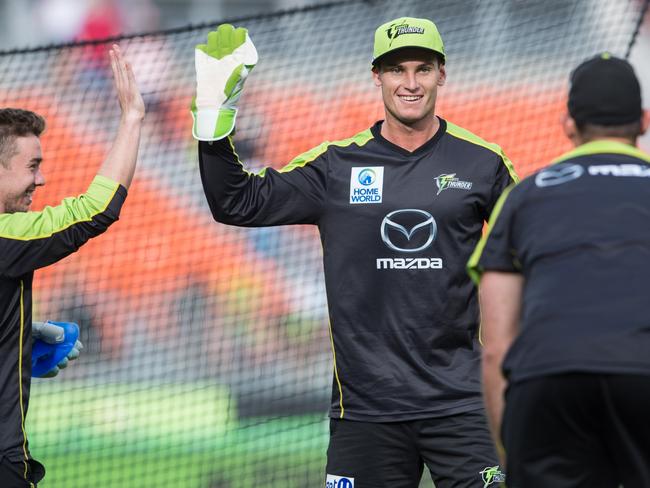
(296, 194)
(119, 164)
(293, 195)
(31, 240)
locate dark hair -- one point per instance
(15, 122)
(589, 132)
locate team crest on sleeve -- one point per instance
(366, 184)
(334, 481)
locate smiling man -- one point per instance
(403, 313)
(32, 240)
(18, 187)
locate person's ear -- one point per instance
(375, 76)
(443, 75)
(645, 121)
(571, 129)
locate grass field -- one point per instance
(175, 436)
(276, 453)
(169, 436)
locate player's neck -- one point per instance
(409, 137)
(623, 140)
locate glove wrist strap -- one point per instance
(212, 124)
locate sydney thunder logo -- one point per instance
(492, 475)
(444, 182)
(396, 30)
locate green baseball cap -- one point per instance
(407, 32)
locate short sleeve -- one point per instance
(496, 250)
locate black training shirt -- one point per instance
(397, 228)
(28, 241)
(579, 232)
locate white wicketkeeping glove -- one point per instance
(222, 66)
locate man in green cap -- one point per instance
(400, 207)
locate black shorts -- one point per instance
(457, 450)
(20, 474)
(578, 431)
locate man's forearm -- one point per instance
(120, 163)
(500, 296)
(494, 385)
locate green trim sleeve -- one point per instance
(31, 240)
(468, 136)
(50, 220)
(474, 270)
(295, 194)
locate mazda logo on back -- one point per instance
(558, 174)
(408, 230)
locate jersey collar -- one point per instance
(604, 147)
(427, 146)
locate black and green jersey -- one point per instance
(579, 232)
(31, 240)
(397, 228)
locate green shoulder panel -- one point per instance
(604, 147)
(359, 139)
(307, 157)
(472, 265)
(464, 134)
(29, 226)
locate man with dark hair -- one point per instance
(13, 123)
(563, 274)
(32, 240)
(400, 207)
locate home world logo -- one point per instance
(334, 481)
(366, 184)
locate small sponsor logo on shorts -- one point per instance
(492, 474)
(335, 481)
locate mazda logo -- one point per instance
(558, 174)
(408, 230)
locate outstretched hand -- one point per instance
(128, 94)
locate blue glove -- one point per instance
(55, 344)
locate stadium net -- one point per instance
(207, 359)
